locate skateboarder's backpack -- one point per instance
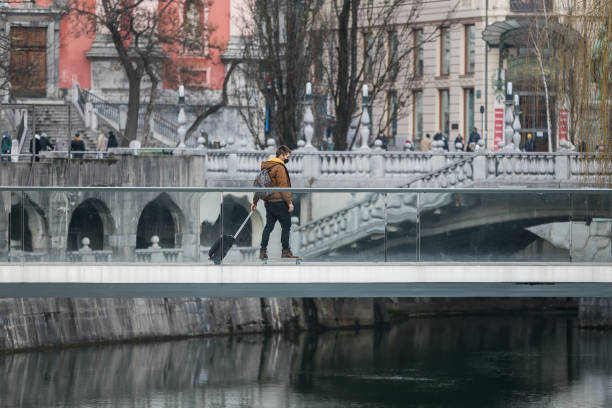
(263, 179)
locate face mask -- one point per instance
(286, 161)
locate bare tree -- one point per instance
(373, 43)
(279, 45)
(337, 44)
(145, 38)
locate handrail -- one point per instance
(104, 108)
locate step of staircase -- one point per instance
(59, 122)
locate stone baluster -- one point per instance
(308, 120)
(324, 165)
(365, 120)
(181, 120)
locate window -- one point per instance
(417, 115)
(368, 50)
(392, 114)
(445, 51)
(418, 53)
(392, 56)
(194, 28)
(468, 109)
(444, 112)
(470, 49)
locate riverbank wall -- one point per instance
(51, 322)
(34, 323)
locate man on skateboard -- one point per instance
(278, 204)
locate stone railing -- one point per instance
(347, 225)
(235, 255)
(521, 166)
(587, 167)
(89, 256)
(155, 253)
(91, 107)
(365, 217)
(459, 173)
(159, 255)
(25, 256)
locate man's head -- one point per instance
(283, 153)
(474, 130)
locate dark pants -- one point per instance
(277, 211)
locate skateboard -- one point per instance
(297, 261)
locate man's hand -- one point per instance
(253, 206)
(291, 207)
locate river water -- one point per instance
(518, 360)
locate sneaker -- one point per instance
(263, 254)
(287, 254)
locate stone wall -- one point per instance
(51, 322)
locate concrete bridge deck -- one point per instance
(307, 280)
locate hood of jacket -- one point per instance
(273, 161)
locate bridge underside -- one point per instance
(308, 280)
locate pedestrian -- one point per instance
(35, 147)
(408, 146)
(438, 136)
(529, 143)
(101, 145)
(459, 142)
(445, 142)
(112, 141)
(472, 147)
(330, 144)
(279, 206)
(7, 145)
(77, 145)
(474, 137)
(426, 143)
(45, 143)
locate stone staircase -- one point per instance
(60, 121)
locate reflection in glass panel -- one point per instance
(209, 221)
(28, 230)
(402, 227)
(590, 229)
(236, 208)
(490, 227)
(341, 227)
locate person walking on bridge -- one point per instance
(278, 204)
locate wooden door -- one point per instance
(28, 72)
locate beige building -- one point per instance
(458, 78)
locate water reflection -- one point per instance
(495, 361)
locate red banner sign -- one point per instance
(499, 127)
(563, 124)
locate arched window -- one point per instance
(88, 220)
(161, 217)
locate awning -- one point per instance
(515, 32)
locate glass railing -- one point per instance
(165, 225)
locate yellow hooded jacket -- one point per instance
(280, 178)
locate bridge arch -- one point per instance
(92, 219)
(161, 217)
(28, 227)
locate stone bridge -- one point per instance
(223, 168)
